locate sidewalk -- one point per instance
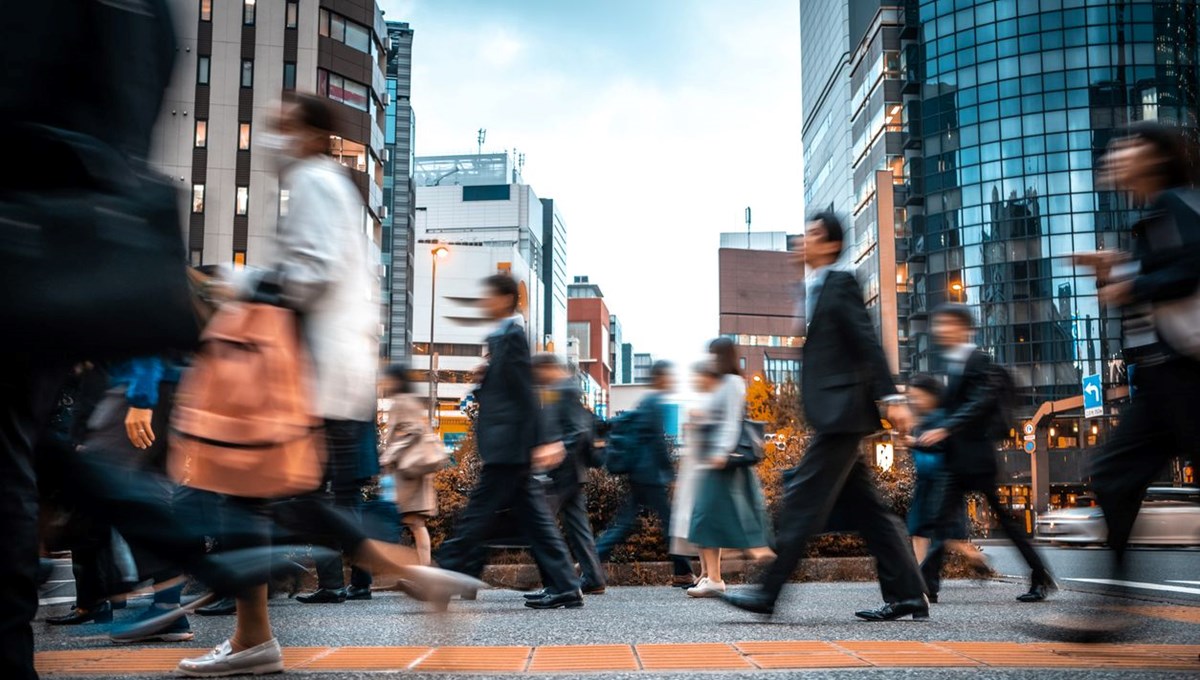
(653, 632)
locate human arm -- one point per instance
(1170, 269)
(859, 333)
(730, 402)
(142, 396)
(982, 400)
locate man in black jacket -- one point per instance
(971, 402)
(511, 445)
(651, 476)
(845, 377)
(564, 419)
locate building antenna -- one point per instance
(482, 137)
(747, 227)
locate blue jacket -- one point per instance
(654, 467)
(928, 460)
(141, 377)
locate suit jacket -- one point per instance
(653, 466)
(509, 413)
(845, 372)
(564, 419)
(969, 402)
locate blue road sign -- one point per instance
(1030, 447)
(1093, 396)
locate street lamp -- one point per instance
(957, 287)
(438, 252)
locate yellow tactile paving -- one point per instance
(788, 654)
(1181, 614)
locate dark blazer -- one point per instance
(564, 419)
(653, 466)
(970, 401)
(845, 372)
(509, 413)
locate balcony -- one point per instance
(912, 125)
(911, 69)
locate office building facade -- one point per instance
(554, 275)
(588, 328)
(237, 60)
(616, 339)
(626, 376)
(399, 214)
(825, 103)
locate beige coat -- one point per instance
(408, 415)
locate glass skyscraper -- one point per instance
(1014, 103)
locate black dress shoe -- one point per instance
(751, 600)
(98, 614)
(1037, 592)
(594, 590)
(932, 597)
(571, 600)
(918, 609)
(357, 593)
(536, 595)
(222, 607)
(323, 596)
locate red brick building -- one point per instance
(588, 330)
(759, 299)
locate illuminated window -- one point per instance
(348, 152)
(243, 201)
(243, 136)
(201, 134)
(283, 202)
(248, 7)
(292, 14)
(205, 10)
(239, 259)
(197, 198)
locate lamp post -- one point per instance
(438, 252)
(958, 291)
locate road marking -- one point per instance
(1136, 584)
(1188, 583)
(49, 601)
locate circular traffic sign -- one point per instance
(1028, 428)
(1030, 446)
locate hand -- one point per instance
(718, 462)
(900, 417)
(1116, 293)
(934, 437)
(1100, 260)
(549, 456)
(137, 427)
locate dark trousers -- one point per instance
(959, 484)
(343, 447)
(569, 504)
(512, 487)
(833, 473)
(931, 566)
(642, 497)
(26, 400)
(1159, 423)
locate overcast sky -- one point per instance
(652, 123)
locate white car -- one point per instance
(1169, 516)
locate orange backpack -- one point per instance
(243, 423)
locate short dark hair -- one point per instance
(725, 354)
(1175, 169)
(399, 372)
(925, 383)
(314, 112)
(503, 284)
(547, 360)
(957, 311)
(834, 232)
(660, 368)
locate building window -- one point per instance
(205, 10)
(247, 73)
(339, 28)
(284, 194)
(343, 90)
(196, 258)
(289, 75)
(243, 201)
(201, 134)
(239, 259)
(292, 14)
(248, 12)
(243, 136)
(487, 192)
(348, 152)
(202, 67)
(197, 198)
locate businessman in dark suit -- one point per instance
(564, 419)
(845, 378)
(971, 402)
(511, 446)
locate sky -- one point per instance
(652, 123)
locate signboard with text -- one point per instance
(1093, 396)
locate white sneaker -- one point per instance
(707, 588)
(222, 661)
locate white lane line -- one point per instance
(1188, 583)
(1136, 584)
(46, 601)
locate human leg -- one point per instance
(420, 532)
(546, 543)
(899, 577)
(578, 530)
(654, 498)
(621, 528)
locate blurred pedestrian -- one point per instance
(929, 535)
(650, 478)
(1156, 287)
(971, 402)
(512, 446)
(416, 497)
(845, 377)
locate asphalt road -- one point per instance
(1167, 574)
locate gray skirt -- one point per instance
(729, 510)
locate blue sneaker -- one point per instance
(174, 628)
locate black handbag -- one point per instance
(749, 449)
(92, 259)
